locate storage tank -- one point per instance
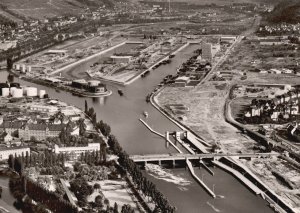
(17, 93)
(31, 91)
(23, 68)
(11, 90)
(5, 92)
(17, 66)
(93, 83)
(29, 69)
(42, 93)
(3, 85)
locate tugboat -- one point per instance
(120, 92)
(148, 98)
(146, 114)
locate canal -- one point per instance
(122, 114)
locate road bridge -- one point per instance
(183, 157)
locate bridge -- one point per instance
(183, 157)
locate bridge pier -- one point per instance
(159, 162)
(167, 137)
(173, 164)
(167, 144)
(200, 160)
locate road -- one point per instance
(141, 158)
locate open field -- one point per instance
(251, 55)
(116, 192)
(9, 16)
(40, 9)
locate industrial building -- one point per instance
(75, 152)
(14, 151)
(227, 39)
(57, 52)
(121, 59)
(209, 50)
(92, 86)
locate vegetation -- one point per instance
(81, 189)
(285, 12)
(22, 186)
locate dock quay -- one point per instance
(239, 176)
(190, 166)
(87, 58)
(185, 146)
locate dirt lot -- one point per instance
(264, 168)
(205, 116)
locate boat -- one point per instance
(146, 114)
(120, 92)
(145, 73)
(148, 98)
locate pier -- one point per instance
(239, 176)
(190, 166)
(161, 135)
(206, 167)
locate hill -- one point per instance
(39, 9)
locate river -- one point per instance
(122, 114)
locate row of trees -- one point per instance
(46, 159)
(22, 186)
(100, 126)
(95, 157)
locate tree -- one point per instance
(103, 151)
(106, 202)
(18, 165)
(99, 201)
(85, 107)
(82, 127)
(127, 209)
(9, 63)
(11, 162)
(33, 139)
(81, 189)
(116, 210)
(97, 186)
